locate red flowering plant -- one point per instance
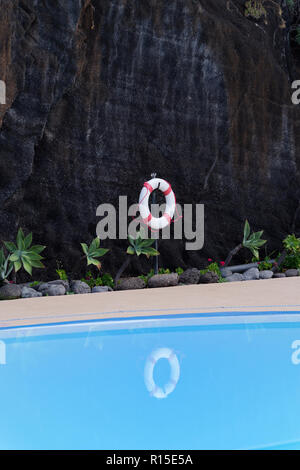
(265, 264)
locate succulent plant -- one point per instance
(93, 252)
(23, 255)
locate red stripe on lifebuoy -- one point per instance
(147, 219)
(167, 217)
(168, 191)
(148, 186)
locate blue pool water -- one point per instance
(231, 382)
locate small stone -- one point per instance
(130, 283)
(51, 289)
(225, 272)
(80, 287)
(251, 274)
(266, 274)
(10, 292)
(163, 280)
(235, 277)
(279, 275)
(291, 272)
(190, 276)
(28, 293)
(97, 289)
(208, 278)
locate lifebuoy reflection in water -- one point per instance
(162, 353)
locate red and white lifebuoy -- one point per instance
(165, 187)
(162, 353)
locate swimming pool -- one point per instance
(207, 381)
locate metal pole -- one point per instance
(153, 175)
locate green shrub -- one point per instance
(290, 258)
(214, 268)
(179, 270)
(104, 280)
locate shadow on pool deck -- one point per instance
(263, 295)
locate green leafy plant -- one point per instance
(164, 271)
(141, 246)
(292, 253)
(6, 266)
(251, 241)
(179, 270)
(34, 283)
(292, 244)
(214, 267)
(93, 252)
(105, 280)
(138, 246)
(61, 271)
(23, 255)
(265, 264)
(147, 276)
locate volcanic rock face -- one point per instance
(100, 93)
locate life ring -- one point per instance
(163, 353)
(165, 187)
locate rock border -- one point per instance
(191, 276)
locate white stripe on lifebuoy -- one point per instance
(163, 353)
(165, 187)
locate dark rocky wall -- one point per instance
(101, 93)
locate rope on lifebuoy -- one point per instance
(162, 353)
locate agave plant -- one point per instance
(252, 241)
(6, 266)
(23, 255)
(93, 252)
(141, 246)
(138, 246)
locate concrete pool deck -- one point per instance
(256, 296)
